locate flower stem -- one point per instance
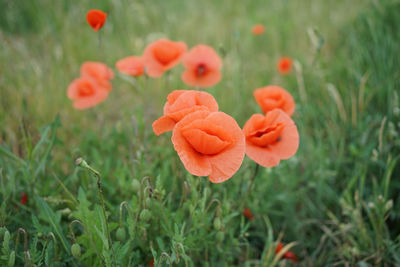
(82, 163)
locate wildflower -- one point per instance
(284, 65)
(132, 65)
(99, 72)
(272, 97)
(96, 19)
(162, 55)
(258, 29)
(86, 93)
(270, 138)
(287, 255)
(290, 256)
(24, 198)
(203, 66)
(279, 247)
(179, 104)
(209, 144)
(248, 214)
(151, 263)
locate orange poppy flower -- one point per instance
(270, 138)
(162, 55)
(258, 29)
(132, 65)
(248, 214)
(209, 144)
(179, 104)
(96, 19)
(202, 65)
(99, 72)
(284, 65)
(86, 93)
(271, 97)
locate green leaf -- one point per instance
(53, 219)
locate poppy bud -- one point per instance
(145, 215)
(76, 250)
(217, 223)
(135, 185)
(220, 236)
(121, 234)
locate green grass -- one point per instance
(337, 198)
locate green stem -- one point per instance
(253, 178)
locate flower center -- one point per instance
(86, 89)
(267, 136)
(201, 69)
(274, 101)
(166, 53)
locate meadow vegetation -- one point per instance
(335, 203)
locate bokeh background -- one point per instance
(338, 198)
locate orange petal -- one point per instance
(210, 79)
(226, 164)
(203, 142)
(163, 124)
(132, 65)
(87, 102)
(193, 161)
(261, 155)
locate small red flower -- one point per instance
(279, 247)
(24, 198)
(96, 19)
(258, 29)
(248, 214)
(290, 256)
(284, 65)
(151, 263)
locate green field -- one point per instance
(335, 203)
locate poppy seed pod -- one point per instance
(217, 223)
(145, 215)
(121, 234)
(76, 250)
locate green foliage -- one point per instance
(335, 203)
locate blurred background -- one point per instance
(338, 198)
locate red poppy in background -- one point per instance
(132, 65)
(99, 72)
(272, 97)
(179, 104)
(151, 263)
(248, 214)
(284, 65)
(290, 256)
(162, 55)
(258, 29)
(24, 198)
(85, 92)
(271, 138)
(203, 66)
(96, 19)
(209, 144)
(287, 255)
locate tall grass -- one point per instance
(337, 199)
